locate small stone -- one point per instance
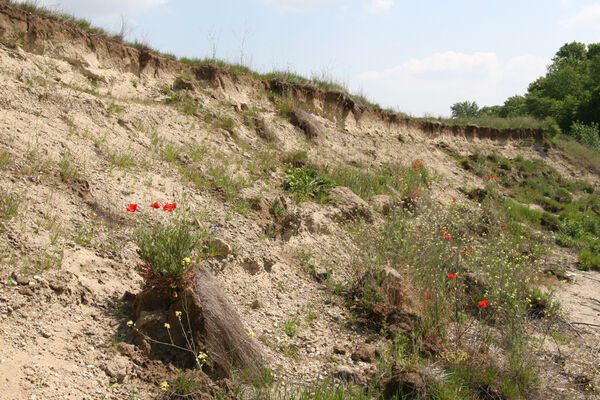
(255, 305)
(217, 248)
(365, 353)
(252, 265)
(339, 349)
(45, 333)
(57, 286)
(347, 373)
(21, 279)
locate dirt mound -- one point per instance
(200, 319)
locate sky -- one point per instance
(418, 57)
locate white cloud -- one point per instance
(103, 12)
(587, 16)
(432, 84)
(380, 5)
(297, 6)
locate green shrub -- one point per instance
(562, 195)
(587, 135)
(166, 251)
(588, 260)
(306, 183)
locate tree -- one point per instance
(571, 51)
(465, 109)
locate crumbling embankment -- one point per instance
(88, 51)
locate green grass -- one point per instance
(584, 157)
(4, 159)
(224, 122)
(391, 179)
(121, 159)
(291, 326)
(10, 202)
(494, 122)
(170, 153)
(166, 251)
(68, 170)
(570, 209)
(306, 183)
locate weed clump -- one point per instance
(306, 183)
(166, 252)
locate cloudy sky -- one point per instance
(419, 57)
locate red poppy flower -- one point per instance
(132, 207)
(154, 205)
(454, 200)
(416, 170)
(428, 297)
(443, 231)
(447, 237)
(503, 227)
(471, 250)
(414, 165)
(418, 162)
(482, 303)
(451, 276)
(169, 207)
(463, 252)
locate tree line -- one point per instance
(567, 97)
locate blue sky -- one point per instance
(419, 57)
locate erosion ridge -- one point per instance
(43, 34)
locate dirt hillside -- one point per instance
(89, 126)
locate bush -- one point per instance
(586, 134)
(306, 183)
(588, 260)
(166, 252)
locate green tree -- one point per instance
(513, 107)
(465, 109)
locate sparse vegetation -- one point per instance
(306, 183)
(166, 251)
(68, 171)
(9, 205)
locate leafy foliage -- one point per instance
(166, 251)
(465, 109)
(306, 183)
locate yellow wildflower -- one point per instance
(167, 325)
(130, 323)
(164, 385)
(251, 334)
(178, 314)
(187, 260)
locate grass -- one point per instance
(224, 122)
(4, 159)
(494, 122)
(570, 210)
(122, 160)
(306, 183)
(166, 252)
(10, 202)
(291, 326)
(170, 153)
(584, 157)
(68, 171)
(391, 179)
(500, 269)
